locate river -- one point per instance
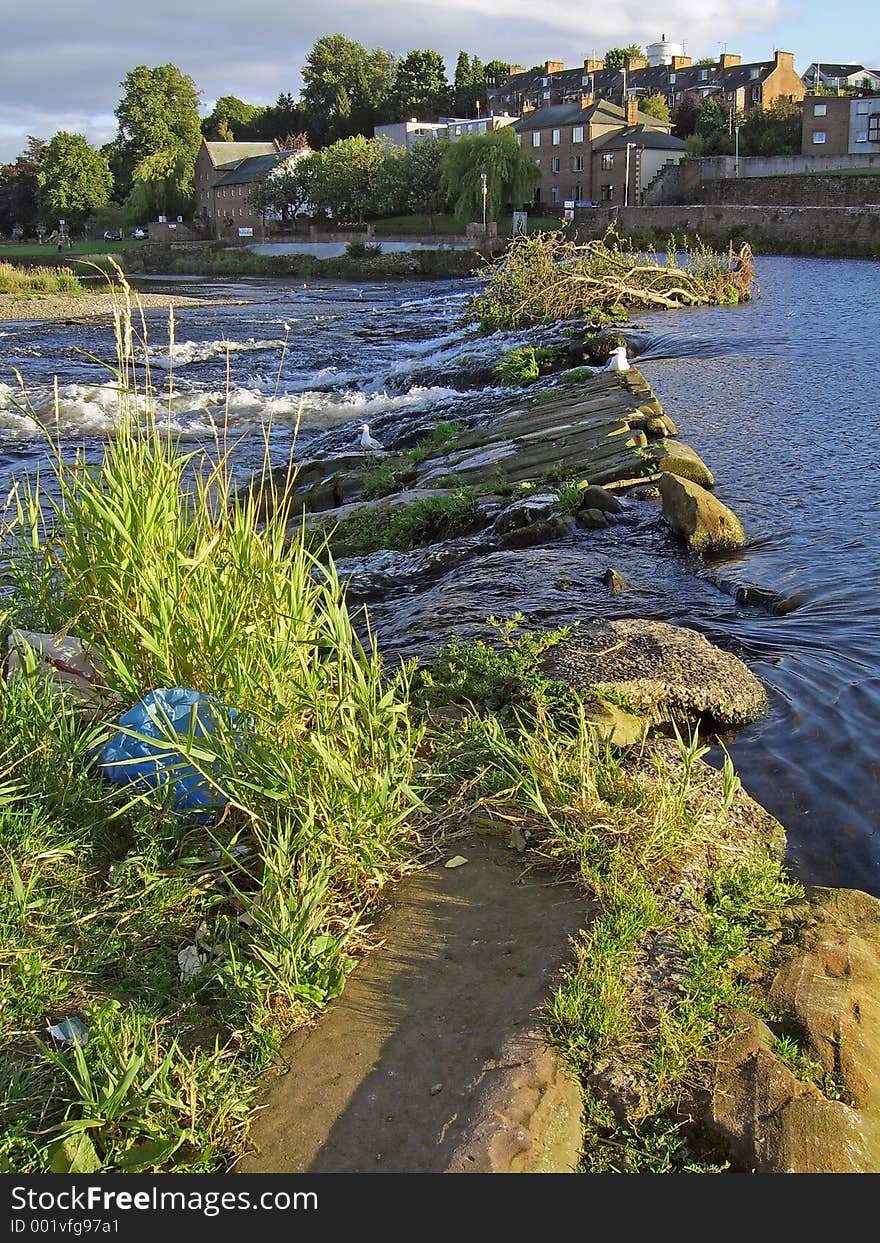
(777, 395)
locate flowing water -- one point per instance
(778, 395)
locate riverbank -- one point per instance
(87, 305)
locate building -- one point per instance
(741, 87)
(840, 77)
(408, 133)
(841, 125)
(595, 151)
(225, 173)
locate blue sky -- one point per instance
(61, 63)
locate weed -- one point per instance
(408, 526)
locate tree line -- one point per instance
(149, 167)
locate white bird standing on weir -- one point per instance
(618, 360)
(368, 442)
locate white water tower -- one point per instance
(662, 53)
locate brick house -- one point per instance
(224, 175)
(585, 149)
(741, 87)
(841, 124)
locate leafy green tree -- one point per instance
(615, 57)
(19, 189)
(416, 179)
(288, 191)
(714, 127)
(157, 187)
(469, 85)
(512, 174)
(285, 119)
(73, 178)
(706, 60)
(232, 118)
(686, 114)
(655, 106)
(771, 131)
(496, 72)
(348, 174)
(365, 76)
(159, 113)
(420, 88)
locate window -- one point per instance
(546, 95)
(585, 79)
(862, 106)
(554, 164)
(874, 127)
(555, 139)
(607, 194)
(756, 94)
(704, 73)
(554, 194)
(818, 137)
(754, 73)
(671, 79)
(577, 163)
(820, 110)
(545, 81)
(577, 192)
(862, 136)
(607, 159)
(577, 133)
(536, 138)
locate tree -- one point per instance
(706, 60)
(365, 76)
(347, 175)
(284, 119)
(232, 118)
(511, 174)
(414, 179)
(289, 190)
(686, 114)
(616, 57)
(19, 189)
(73, 177)
(159, 113)
(496, 72)
(655, 106)
(157, 187)
(469, 86)
(771, 131)
(420, 88)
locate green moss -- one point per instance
(576, 375)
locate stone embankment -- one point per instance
(435, 1058)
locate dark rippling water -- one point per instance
(779, 396)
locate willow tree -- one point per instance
(511, 174)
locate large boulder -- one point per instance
(698, 517)
(525, 513)
(775, 1117)
(680, 459)
(660, 671)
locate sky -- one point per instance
(61, 63)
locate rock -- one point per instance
(660, 425)
(592, 519)
(770, 1122)
(624, 729)
(765, 597)
(680, 459)
(535, 533)
(593, 497)
(637, 441)
(528, 1117)
(613, 581)
(698, 517)
(527, 512)
(666, 672)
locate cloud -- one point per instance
(61, 64)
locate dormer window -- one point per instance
(754, 73)
(704, 73)
(545, 81)
(672, 78)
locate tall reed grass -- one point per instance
(177, 578)
(20, 282)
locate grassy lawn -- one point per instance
(49, 252)
(847, 172)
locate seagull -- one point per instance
(618, 360)
(368, 442)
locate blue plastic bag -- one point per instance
(157, 767)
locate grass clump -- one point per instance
(517, 368)
(154, 559)
(382, 478)
(21, 282)
(408, 526)
(547, 277)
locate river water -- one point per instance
(779, 396)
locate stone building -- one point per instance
(225, 173)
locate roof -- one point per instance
(554, 115)
(640, 136)
(836, 71)
(225, 154)
(253, 169)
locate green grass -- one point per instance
(156, 561)
(383, 477)
(27, 282)
(49, 252)
(408, 526)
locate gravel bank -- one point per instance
(50, 306)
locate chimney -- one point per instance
(681, 62)
(515, 69)
(728, 60)
(632, 110)
(635, 62)
(554, 66)
(784, 58)
(587, 100)
(593, 66)
(527, 107)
